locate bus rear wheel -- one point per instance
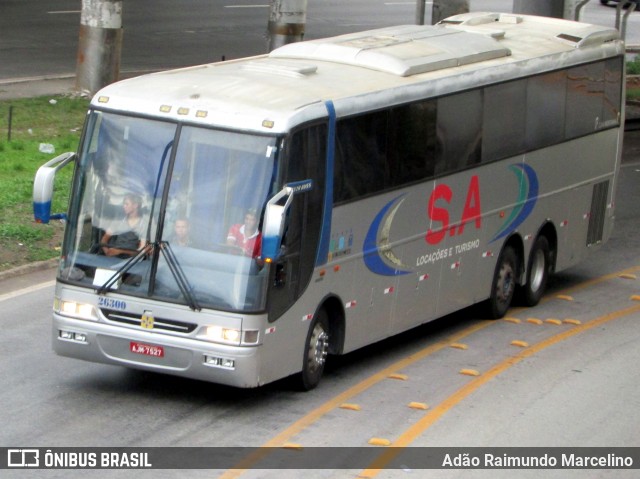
(504, 283)
(537, 272)
(315, 352)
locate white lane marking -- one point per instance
(27, 290)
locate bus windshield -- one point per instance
(170, 212)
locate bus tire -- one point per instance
(315, 352)
(504, 283)
(537, 272)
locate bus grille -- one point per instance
(158, 323)
(598, 212)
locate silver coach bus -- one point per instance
(237, 222)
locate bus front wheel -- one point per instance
(504, 283)
(537, 272)
(315, 352)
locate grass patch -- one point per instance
(28, 233)
(633, 66)
(54, 120)
(633, 79)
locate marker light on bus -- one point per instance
(225, 363)
(77, 310)
(72, 336)
(250, 337)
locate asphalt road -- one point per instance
(39, 38)
(575, 384)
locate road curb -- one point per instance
(41, 78)
(29, 268)
(62, 84)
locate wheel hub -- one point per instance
(320, 348)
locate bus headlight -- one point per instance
(75, 309)
(218, 334)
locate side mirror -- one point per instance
(275, 217)
(43, 188)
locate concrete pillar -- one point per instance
(446, 8)
(572, 8)
(420, 11)
(99, 44)
(287, 20)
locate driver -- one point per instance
(125, 238)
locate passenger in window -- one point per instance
(125, 238)
(246, 237)
(181, 233)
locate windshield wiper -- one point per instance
(174, 267)
(178, 274)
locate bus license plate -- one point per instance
(146, 349)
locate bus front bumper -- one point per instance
(104, 343)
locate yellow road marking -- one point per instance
(351, 407)
(512, 320)
(398, 376)
(438, 411)
(565, 297)
(379, 441)
(601, 279)
(280, 439)
(305, 421)
(628, 276)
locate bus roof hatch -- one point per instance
(404, 51)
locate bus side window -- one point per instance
(501, 138)
(585, 98)
(361, 156)
(546, 107)
(412, 142)
(459, 131)
(612, 91)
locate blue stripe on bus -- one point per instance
(325, 228)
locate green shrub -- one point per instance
(633, 66)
